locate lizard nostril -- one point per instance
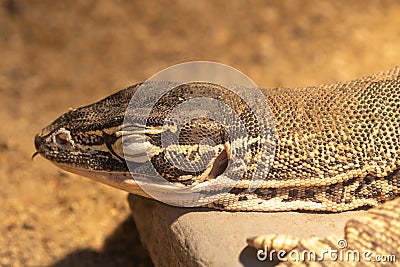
(62, 139)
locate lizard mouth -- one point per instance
(123, 181)
(39, 145)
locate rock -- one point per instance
(202, 237)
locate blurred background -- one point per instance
(60, 54)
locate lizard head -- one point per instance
(114, 144)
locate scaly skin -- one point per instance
(337, 149)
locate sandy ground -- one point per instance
(61, 54)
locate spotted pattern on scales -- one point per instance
(337, 149)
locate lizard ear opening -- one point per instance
(220, 165)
